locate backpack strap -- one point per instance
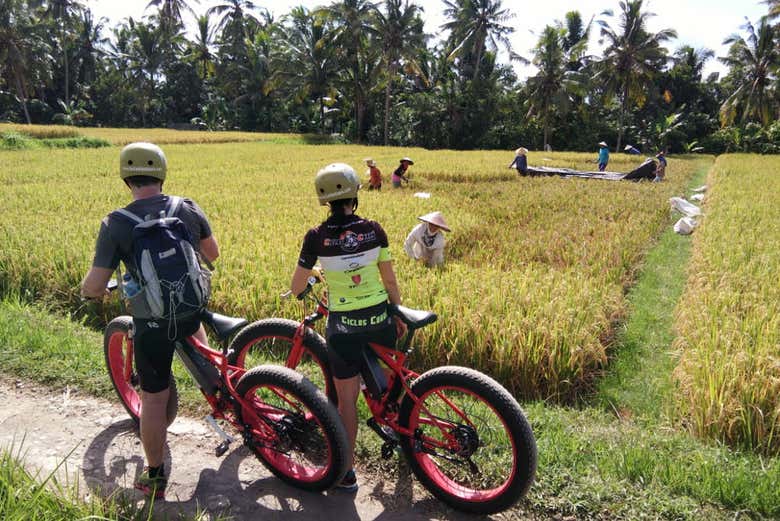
(174, 202)
(129, 215)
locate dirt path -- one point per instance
(104, 453)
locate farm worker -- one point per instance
(398, 174)
(603, 156)
(142, 167)
(520, 161)
(660, 170)
(426, 241)
(631, 150)
(374, 175)
(355, 257)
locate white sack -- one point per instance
(702, 188)
(684, 207)
(685, 225)
(697, 197)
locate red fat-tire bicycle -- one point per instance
(284, 419)
(466, 438)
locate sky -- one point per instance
(699, 23)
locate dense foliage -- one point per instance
(366, 70)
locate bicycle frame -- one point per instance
(226, 405)
(384, 410)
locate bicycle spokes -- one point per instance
(462, 443)
(287, 433)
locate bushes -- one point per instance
(13, 140)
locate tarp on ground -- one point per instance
(644, 171)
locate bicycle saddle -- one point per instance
(223, 326)
(414, 318)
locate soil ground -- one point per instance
(96, 446)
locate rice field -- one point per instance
(728, 319)
(536, 268)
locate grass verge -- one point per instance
(639, 379)
(592, 465)
(27, 496)
(19, 141)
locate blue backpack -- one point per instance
(174, 286)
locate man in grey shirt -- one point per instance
(143, 166)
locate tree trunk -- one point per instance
(358, 104)
(388, 93)
(322, 115)
(20, 90)
(480, 45)
(546, 132)
(621, 118)
(66, 65)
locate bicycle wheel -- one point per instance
(296, 432)
(473, 447)
(118, 351)
(270, 341)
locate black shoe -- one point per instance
(349, 482)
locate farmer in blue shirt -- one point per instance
(603, 156)
(520, 162)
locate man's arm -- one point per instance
(209, 248)
(94, 284)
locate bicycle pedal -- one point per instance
(388, 448)
(222, 448)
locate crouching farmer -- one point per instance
(426, 241)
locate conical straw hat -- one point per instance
(521, 151)
(436, 219)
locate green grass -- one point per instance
(18, 141)
(639, 379)
(25, 496)
(592, 465)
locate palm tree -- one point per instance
(304, 60)
(146, 57)
(170, 13)
(401, 30)
(756, 61)
(632, 58)
(774, 7)
(89, 43)
(692, 59)
(549, 88)
(23, 53)
(353, 25)
(62, 11)
(575, 40)
(473, 24)
(200, 49)
(232, 14)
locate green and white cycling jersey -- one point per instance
(349, 250)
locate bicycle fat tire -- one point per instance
(503, 406)
(320, 413)
(282, 331)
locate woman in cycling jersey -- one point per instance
(355, 259)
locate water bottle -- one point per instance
(130, 285)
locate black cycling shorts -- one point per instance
(154, 351)
(348, 333)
